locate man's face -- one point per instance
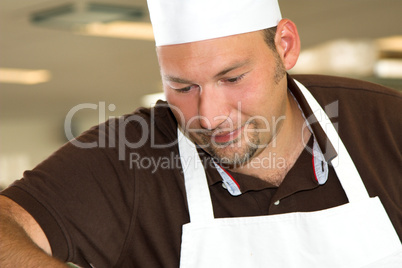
(229, 93)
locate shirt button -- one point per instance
(224, 186)
(277, 202)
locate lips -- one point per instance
(226, 137)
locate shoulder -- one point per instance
(358, 101)
(134, 129)
(158, 118)
(345, 87)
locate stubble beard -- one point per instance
(237, 152)
(232, 154)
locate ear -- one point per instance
(287, 43)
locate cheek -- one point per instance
(262, 98)
(253, 96)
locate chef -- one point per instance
(210, 58)
(273, 170)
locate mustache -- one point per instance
(223, 130)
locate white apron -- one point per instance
(357, 234)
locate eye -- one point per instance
(235, 79)
(185, 89)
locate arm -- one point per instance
(22, 243)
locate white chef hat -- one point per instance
(183, 21)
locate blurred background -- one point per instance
(90, 60)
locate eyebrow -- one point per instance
(221, 73)
(176, 79)
(231, 68)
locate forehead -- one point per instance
(212, 51)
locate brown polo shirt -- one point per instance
(122, 203)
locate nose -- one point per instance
(213, 109)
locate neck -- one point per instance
(273, 163)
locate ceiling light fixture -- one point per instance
(97, 20)
(120, 29)
(353, 57)
(389, 68)
(24, 76)
(391, 44)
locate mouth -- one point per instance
(222, 138)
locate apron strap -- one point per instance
(198, 196)
(344, 167)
